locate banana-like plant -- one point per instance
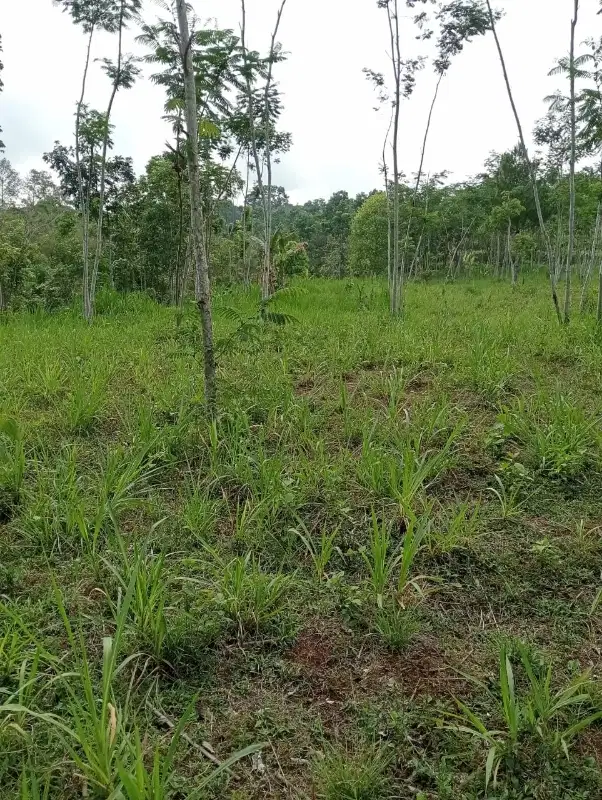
(250, 328)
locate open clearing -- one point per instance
(259, 573)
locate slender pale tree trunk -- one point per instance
(251, 115)
(591, 260)
(103, 164)
(397, 278)
(510, 259)
(498, 262)
(531, 170)
(178, 291)
(84, 209)
(571, 246)
(419, 175)
(246, 261)
(388, 199)
(266, 288)
(265, 191)
(196, 210)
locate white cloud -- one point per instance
(329, 104)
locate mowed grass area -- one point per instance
(382, 563)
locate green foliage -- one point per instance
(407, 472)
(455, 530)
(396, 626)
(558, 438)
(357, 776)
(250, 330)
(250, 597)
(554, 717)
(12, 462)
(379, 559)
(148, 605)
(255, 602)
(368, 237)
(321, 551)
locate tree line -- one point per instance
(206, 209)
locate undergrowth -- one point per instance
(376, 575)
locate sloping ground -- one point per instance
(382, 563)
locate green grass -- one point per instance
(377, 575)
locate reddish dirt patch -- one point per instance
(323, 654)
(422, 670)
(312, 651)
(337, 670)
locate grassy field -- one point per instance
(381, 564)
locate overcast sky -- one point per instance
(337, 135)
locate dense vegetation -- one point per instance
(482, 227)
(306, 502)
(487, 225)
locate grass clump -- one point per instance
(353, 776)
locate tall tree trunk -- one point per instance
(178, 291)
(419, 175)
(264, 191)
(103, 164)
(531, 170)
(196, 209)
(397, 278)
(510, 259)
(267, 271)
(246, 253)
(591, 260)
(84, 209)
(498, 257)
(571, 247)
(388, 198)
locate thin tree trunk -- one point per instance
(591, 259)
(103, 163)
(510, 259)
(532, 176)
(196, 209)
(178, 296)
(420, 168)
(265, 192)
(559, 237)
(267, 273)
(84, 212)
(396, 287)
(498, 260)
(251, 115)
(388, 199)
(571, 247)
